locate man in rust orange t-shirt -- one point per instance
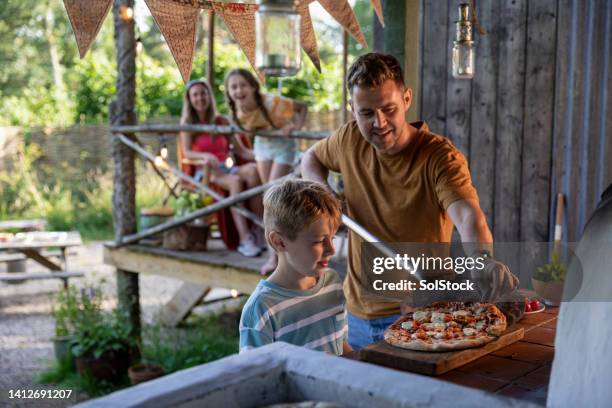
(402, 183)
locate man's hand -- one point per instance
(494, 280)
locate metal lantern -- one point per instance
(278, 50)
(463, 48)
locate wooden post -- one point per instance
(122, 112)
(345, 45)
(401, 39)
(210, 71)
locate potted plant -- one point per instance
(101, 341)
(194, 235)
(143, 371)
(548, 281)
(64, 311)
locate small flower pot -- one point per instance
(150, 217)
(551, 292)
(110, 366)
(62, 349)
(140, 373)
(190, 237)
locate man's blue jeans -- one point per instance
(363, 332)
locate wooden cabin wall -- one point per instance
(537, 117)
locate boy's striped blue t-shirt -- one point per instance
(313, 318)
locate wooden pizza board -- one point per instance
(433, 362)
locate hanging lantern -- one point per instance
(278, 50)
(463, 48)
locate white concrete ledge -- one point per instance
(281, 372)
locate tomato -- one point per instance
(527, 307)
(535, 305)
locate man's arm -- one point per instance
(312, 168)
(471, 223)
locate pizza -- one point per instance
(446, 326)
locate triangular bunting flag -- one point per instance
(241, 24)
(86, 18)
(178, 24)
(379, 11)
(308, 38)
(342, 12)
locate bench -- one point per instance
(22, 276)
(18, 256)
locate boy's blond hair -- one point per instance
(294, 204)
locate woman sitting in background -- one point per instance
(210, 152)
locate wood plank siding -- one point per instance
(536, 119)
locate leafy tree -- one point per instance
(43, 82)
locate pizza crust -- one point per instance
(442, 345)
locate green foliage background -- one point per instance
(43, 82)
(36, 91)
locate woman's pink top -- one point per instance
(214, 144)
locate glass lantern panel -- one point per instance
(463, 61)
(278, 50)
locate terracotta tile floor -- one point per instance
(520, 370)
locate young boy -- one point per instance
(302, 302)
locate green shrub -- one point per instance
(175, 349)
(60, 211)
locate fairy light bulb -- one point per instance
(126, 13)
(159, 161)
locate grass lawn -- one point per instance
(200, 340)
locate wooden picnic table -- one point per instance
(520, 370)
(32, 244)
(23, 225)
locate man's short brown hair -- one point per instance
(373, 69)
(294, 204)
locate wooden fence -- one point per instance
(79, 150)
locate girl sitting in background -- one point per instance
(252, 111)
(211, 151)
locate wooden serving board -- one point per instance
(434, 362)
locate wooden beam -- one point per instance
(221, 130)
(483, 114)
(36, 256)
(182, 176)
(412, 56)
(122, 112)
(210, 64)
(434, 60)
(184, 300)
(345, 45)
(12, 277)
(216, 275)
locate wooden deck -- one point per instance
(217, 267)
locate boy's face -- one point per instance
(310, 252)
